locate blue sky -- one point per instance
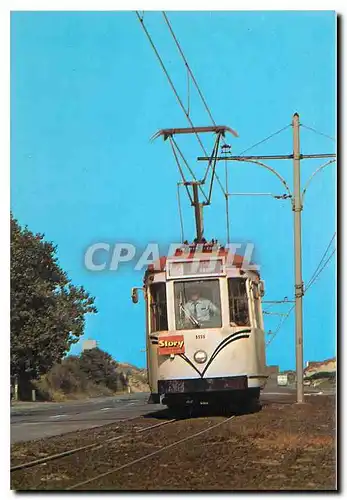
(87, 93)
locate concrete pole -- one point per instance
(299, 286)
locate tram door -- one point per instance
(158, 322)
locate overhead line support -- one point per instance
(267, 157)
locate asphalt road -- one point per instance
(40, 420)
(31, 421)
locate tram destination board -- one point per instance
(174, 344)
(195, 267)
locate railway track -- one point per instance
(282, 447)
(147, 456)
(95, 445)
(95, 465)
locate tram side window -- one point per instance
(158, 307)
(238, 302)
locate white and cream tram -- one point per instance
(205, 332)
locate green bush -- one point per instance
(93, 373)
(320, 375)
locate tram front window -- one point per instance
(238, 302)
(197, 304)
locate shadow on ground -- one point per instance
(197, 411)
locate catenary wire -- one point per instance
(190, 72)
(169, 80)
(320, 262)
(188, 68)
(325, 264)
(311, 282)
(317, 132)
(264, 140)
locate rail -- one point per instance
(72, 451)
(148, 455)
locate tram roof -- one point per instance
(160, 264)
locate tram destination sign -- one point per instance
(195, 267)
(174, 344)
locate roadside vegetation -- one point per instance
(47, 318)
(322, 380)
(93, 373)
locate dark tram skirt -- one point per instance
(189, 386)
(212, 391)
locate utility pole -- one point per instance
(299, 286)
(198, 207)
(297, 206)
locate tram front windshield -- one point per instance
(197, 304)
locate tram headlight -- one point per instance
(200, 356)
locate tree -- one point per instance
(47, 310)
(101, 368)
(67, 376)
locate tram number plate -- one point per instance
(200, 336)
(171, 345)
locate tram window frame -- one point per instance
(257, 305)
(158, 320)
(214, 295)
(236, 299)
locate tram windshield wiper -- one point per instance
(190, 317)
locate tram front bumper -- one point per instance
(202, 385)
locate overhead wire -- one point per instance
(268, 308)
(320, 262)
(318, 269)
(312, 280)
(245, 151)
(280, 325)
(190, 72)
(187, 113)
(188, 93)
(188, 68)
(169, 80)
(225, 192)
(264, 140)
(318, 132)
(325, 264)
(198, 89)
(175, 92)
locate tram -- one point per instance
(204, 326)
